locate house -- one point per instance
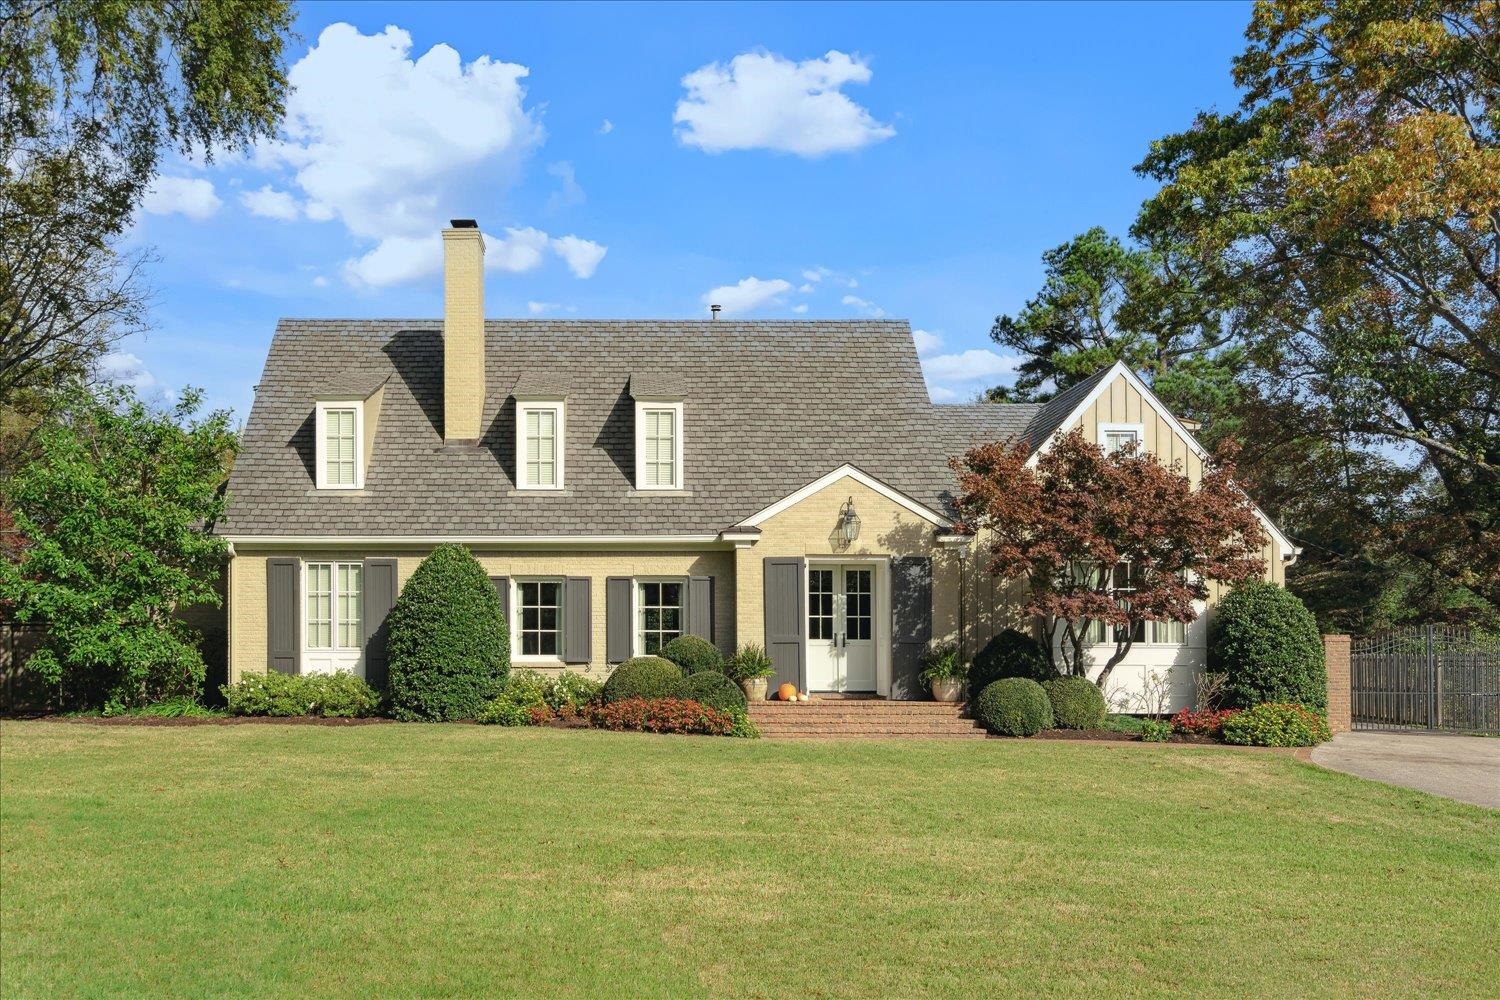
(623, 482)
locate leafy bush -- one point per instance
(332, 696)
(644, 677)
(180, 707)
(515, 706)
(1205, 722)
(748, 663)
(941, 663)
(1155, 730)
(448, 646)
(661, 715)
(716, 691)
(1277, 725)
(1009, 654)
(1013, 706)
(1264, 638)
(1130, 725)
(693, 655)
(1077, 702)
(572, 690)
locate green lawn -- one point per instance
(459, 860)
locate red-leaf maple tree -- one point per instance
(1066, 520)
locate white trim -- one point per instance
(320, 443)
(881, 610)
(864, 479)
(740, 539)
(539, 659)
(950, 540)
(349, 658)
(476, 541)
(1139, 430)
(1121, 369)
(559, 441)
(679, 474)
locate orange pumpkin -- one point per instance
(787, 692)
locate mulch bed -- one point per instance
(1110, 736)
(232, 720)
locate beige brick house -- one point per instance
(623, 482)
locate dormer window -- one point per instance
(1117, 437)
(658, 446)
(540, 440)
(339, 429)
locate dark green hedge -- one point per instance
(1267, 643)
(1013, 706)
(715, 690)
(447, 640)
(1009, 654)
(1077, 703)
(693, 654)
(646, 677)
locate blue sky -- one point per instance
(789, 161)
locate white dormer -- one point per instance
(658, 432)
(541, 433)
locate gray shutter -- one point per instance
(619, 630)
(379, 598)
(700, 617)
(502, 591)
(786, 620)
(283, 602)
(578, 620)
(911, 622)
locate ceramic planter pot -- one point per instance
(755, 688)
(947, 688)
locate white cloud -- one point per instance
(320, 282)
(926, 342)
(799, 308)
(805, 288)
(815, 274)
(606, 127)
(395, 261)
(969, 366)
(130, 370)
(748, 294)
(381, 141)
(863, 305)
(570, 193)
(521, 250)
(193, 197)
(538, 308)
(941, 394)
(582, 256)
(761, 100)
(318, 212)
(271, 203)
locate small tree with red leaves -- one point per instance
(1073, 520)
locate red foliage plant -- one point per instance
(1072, 520)
(1208, 722)
(661, 715)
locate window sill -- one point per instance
(652, 492)
(538, 661)
(539, 491)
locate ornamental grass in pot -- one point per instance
(944, 672)
(751, 668)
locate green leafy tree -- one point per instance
(115, 514)
(93, 94)
(1351, 211)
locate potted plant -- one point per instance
(944, 672)
(752, 669)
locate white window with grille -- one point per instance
(658, 446)
(333, 633)
(537, 621)
(540, 445)
(660, 609)
(339, 430)
(1118, 437)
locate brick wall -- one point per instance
(1336, 657)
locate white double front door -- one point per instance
(841, 633)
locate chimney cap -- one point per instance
(464, 224)
(714, 309)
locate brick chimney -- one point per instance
(463, 331)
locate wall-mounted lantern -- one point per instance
(848, 522)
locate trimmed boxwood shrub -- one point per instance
(1277, 726)
(693, 654)
(1266, 641)
(1013, 706)
(649, 677)
(716, 691)
(332, 696)
(1077, 703)
(447, 641)
(1009, 654)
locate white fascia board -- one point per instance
(1122, 369)
(479, 541)
(864, 479)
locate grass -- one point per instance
(459, 860)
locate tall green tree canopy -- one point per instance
(93, 94)
(116, 513)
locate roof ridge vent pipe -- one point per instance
(714, 311)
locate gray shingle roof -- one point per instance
(540, 385)
(769, 407)
(658, 385)
(1050, 415)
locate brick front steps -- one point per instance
(849, 718)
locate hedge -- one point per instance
(1013, 706)
(1266, 641)
(693, 654)
(648, 677)
(1077, 703)
(1009, 654)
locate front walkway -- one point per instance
(1466, 768)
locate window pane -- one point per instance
(338, 447)
(540, 617)
(319, 605)
(660, 616)
(350, 625)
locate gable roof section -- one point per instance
(823, 482)
(1064, 408)
(769, 407)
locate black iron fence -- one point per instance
(1427, 677)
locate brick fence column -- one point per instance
(1336, 657)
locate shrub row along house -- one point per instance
(624, 482)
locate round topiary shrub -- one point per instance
(693, 654)
(1009, 654)
(1077, 703)
(1013, 706)
(1266, 642)
(644, 677)
(714, 690)
(448, 648)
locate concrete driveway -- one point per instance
(1466, 768)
